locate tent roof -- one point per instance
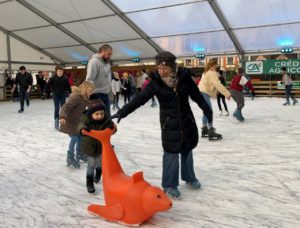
(71, 31)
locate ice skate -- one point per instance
(221, 112)
(83, 158)
(90, 184)
(153, 104)
(204, 132)
(226, 113)
(212, 135)
(286, 104)
(56, 124)
(194, 185)
(173, 193)
(295, 101)
(71, 162)
(237, 114)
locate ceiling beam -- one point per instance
(162, 7)
(57, 25)
(133, 39)
(32, 45)
(117, 11)
(5, 1)
(217, 10)
(29, 63)
(66, 22)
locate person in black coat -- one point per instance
(173, 87)
(220, 96)
(60, 86)
(24, 81)
(40, 81)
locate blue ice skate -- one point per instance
(238, 114)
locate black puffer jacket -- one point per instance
(90, 146)
(59, 85)
(179, 130)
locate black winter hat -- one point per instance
(165, 58)
(94, 106)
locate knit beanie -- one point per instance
(165, 58)
(94, 106)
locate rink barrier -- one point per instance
(9, 96)
(269, 89)
(262, 89)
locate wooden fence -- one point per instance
(269, 89)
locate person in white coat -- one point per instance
(116, 86)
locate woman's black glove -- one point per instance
(116, 116)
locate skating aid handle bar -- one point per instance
(101, 135)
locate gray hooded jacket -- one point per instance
(99, 73)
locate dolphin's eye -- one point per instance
(158, 196)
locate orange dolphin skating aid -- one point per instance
(129, 199)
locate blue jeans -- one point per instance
(106, 101)
(204, 118)
(74, 145)
(92, 164)
(288, 93)
(170, 176)
(59, 101)
(23, 96)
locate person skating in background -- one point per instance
(173, 86)
(94, 118)
(99, 73)
(23, 83)
(146, 82)
(126, 88)
(220, 96)
(139, 82)
(59, 85)
(132, 85)
(40, 82)
(236, 90)
(288, 85)
(69, 118)
(246, 89)
(116, 86)
(209, 86)
(9, 82)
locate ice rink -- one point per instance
(249, 179)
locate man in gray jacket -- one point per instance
(99, 73)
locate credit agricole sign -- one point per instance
(272, 66)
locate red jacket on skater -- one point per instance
(237, 85)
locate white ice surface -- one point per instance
(249, 179)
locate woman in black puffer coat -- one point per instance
(173, 86)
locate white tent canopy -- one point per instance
(70, 31)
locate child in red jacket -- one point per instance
(236, 88)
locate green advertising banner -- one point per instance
(272, 66)
(296, 85)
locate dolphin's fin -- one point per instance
(112, 213)
(138, 176)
